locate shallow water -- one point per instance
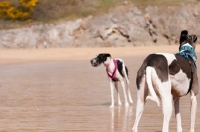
(74, 96)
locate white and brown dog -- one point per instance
(168, 77)
(116, 71)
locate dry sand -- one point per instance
(41, 55)
(57, 90)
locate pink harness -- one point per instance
(114, 72)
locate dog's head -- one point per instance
(101, 58)
(185, 38)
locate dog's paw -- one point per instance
(126, 104)
(192, 130)
(128, 82)
(134, 130)
(112, 105)
(131, 101)
(153, 99)
(119, 103)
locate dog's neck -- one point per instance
(111, 69)
(188, 48)
(186, 51)
(109, 64)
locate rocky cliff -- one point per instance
(125, 25)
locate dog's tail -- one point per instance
(153, 95)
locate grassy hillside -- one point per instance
(55, 10)
(52, 10)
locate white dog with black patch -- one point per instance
(165, 77)
(117, 72)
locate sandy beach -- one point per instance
(57, 90)
(12, 56)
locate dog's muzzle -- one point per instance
(94, 62)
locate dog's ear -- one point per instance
(105, 55)
(183, 36)
(102, 57)
(108, 55)
(184, 33)
(194, 38)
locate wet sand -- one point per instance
(57, 90)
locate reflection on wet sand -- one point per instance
(121, 118)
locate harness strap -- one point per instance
(114, 72)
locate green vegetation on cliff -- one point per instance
(55, 10)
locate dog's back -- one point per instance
(156, 61)
(168, 67)
(120, 64)
(169, 76)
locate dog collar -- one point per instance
(186, 51)
(114, 72)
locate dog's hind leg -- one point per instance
(177, 113)
(153, 95)
(128, 83)
(167, 111)
(124, 90)
(129, 93)
(112, 92)
(193, 110)
(142, 93)
(118, 95)
(166, 97)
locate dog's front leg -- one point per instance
(112, 92)
(124, 90)
(118, 95)
(177, 114)
(193, 110)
